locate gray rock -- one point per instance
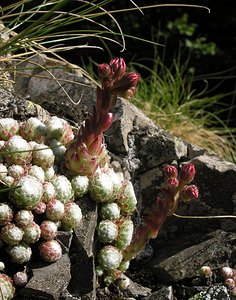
(140, 141)
(48, 281)
(83, 281)
(58, 87)
(136, 291)
(172, 265)
(165, 293)
(213, 293)
(15, 107)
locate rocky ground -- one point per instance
(168, 268)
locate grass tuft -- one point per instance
(169, 97)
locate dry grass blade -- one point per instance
(205, 217)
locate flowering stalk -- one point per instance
(87, 152)
(174, 189)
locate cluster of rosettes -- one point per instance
(115, 227)
(36, 199)
(225, 274)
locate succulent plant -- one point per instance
(110, 211)
(28, 193)
(63, 189)
(107, 231)
(40, 209)
(8, 128)
(72, 216)
(32, 233)
(226, 272)
(50, 251)
(48, 230)
(127, 199)
(2, 266)
(123, 282)
(59, 129)
(17, 151)
(16, 171)
(55, 210)
(48, 192)
(205, 271)
(7, 289)
(28, 165)
(87, 152)
(33, 130)
(117, 180)
(42, 156)
(109, 257)
(37, 172)
(11, 234)
(20, 278)
(20, 253)
(3, 171)
(6, 214)
(23, 217)
(125, 233)
(100, 187)
(80, 185)
(58, 151)
(49, 173)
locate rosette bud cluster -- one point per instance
(17, 151)
(50, 250)
(6, 214)
(37, 194)
(7, 288)
(59, 129)
(115, 228)
(33, 130)
(8, 128)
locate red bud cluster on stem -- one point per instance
(87, 152)
(173, 190)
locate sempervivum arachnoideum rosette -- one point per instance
(7, 288)
(38, 197)
(28, 193)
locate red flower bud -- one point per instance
(172, 183)
(230, 283)
(187, 173)
(118, 68)
(205, 271)
(226, 272)
(106, 121)
(104, 71)
(171, 171)
(190, 192)
(126, 86)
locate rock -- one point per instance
(58, 87)
(83, 282)
(65, 239)
(217, 179)
(143, 144)
(172, 265)
(48, 281)
(13, 106)
(136, 290)
(165, 293)
(213, 293)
